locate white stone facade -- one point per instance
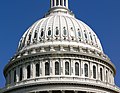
(60, 54)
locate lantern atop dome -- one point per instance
(59, 7)
(59, 3)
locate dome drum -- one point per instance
(75, 75)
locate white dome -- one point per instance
(60, 53)
(59, 28)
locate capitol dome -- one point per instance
(59, 29)
(60, 54)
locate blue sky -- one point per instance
(103, 16)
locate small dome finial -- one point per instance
(59, 3)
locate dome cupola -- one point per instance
(59, 3)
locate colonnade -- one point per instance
(60, 67)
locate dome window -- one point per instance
(95, 39)
(28, 71)
(85, 34)
(42, 32)
(53, 3)
(64, 2)
(47, 69)
(56, 68)
(101, 74)
(86, 70)
(67, 68)
(106, 76)
(35, 35)
(21, 74)
(14, 75)
(77, 68)
(37, 70)
(64, 31)
(61, 2)
(90, 36)
(94, 72)
(29, 36)
(57, 31)
(57, 2)
(49, 31)
(79, 34)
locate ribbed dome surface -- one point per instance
(58, 29)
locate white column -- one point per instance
(33, 71)
(54, 2)
(67, 3)
(91, 71)
(104, 73)
(98, 72)
(62, 2)
(82, 69)
(40, 68)
(51, 67)
(108, 76)
(24, 72)
(17, 74)
(62, 67)
(59, 2)
(72, 67)
(43, 68)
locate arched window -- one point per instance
(67, 68)
(79, 34)
(49, 31)
(29, 37)
(57, 2)
(57, 31)
(47, 68)
(56, 68)
(37, 70)
(101, 74)
(14, 75)
(95, 39)
(94, 72)
(106, 76)
(91, 37)
(77, 68)
(64, 31)
(53, 3)
(35, 35)
(86, 70)
(61, 2)
(64, 2)
(85, 34)
(42, 32)
(21, 74)
(28, 71)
